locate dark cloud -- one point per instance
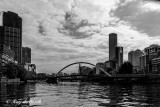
(71, 25)
(126, 10)
(41, 29)
(50, 48)
(102, 46)
(143, 21)
(148, 23)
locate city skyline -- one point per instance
(62, 32)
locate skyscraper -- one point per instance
(26, 55)
(11, 33)
(112, 45)
(119, 56)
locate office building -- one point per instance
(133, 58)
(119, 56)
(11, 33)
(143, 64)
(6, 55)
(112, 45)
(152, 52)
(26, 55)
(156, 65)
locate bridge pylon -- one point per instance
(80, 69)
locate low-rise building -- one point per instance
(30, 67)
(85, 70)
(110, 64)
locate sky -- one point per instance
(61, 32)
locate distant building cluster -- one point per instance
(115, 56)
(11, 49)
(143, 61)
(146, 61)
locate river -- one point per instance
(75, 94)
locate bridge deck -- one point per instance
(114, 78)
(115, 75)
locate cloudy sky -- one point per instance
(60, 32)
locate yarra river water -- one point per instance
(75, 94)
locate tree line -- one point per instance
(12, 71)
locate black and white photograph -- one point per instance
(79, 53)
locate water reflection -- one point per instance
(81, 95)
(14, 94)
(3, 91)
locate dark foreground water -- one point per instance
(80, 95)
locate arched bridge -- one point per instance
(83, 63)
(74, 64)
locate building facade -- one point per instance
(133, 58)
(152, 52)
(143, 63)
(112, 45)
(152, 49)
(6, 55)
(26, 55)
(111, 64)
(11, 33)
(119, 56)
(156, 65)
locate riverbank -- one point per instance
(118, 78)
(6, 80)
(16, 80)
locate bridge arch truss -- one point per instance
(74, 64)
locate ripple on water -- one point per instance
(77, 94)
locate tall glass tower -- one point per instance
(11, 33)
(119, 56)
(112, 45)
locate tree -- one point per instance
(109, 70)
(22, 73)
(126, 68)
(31, 75)
(10, 71)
